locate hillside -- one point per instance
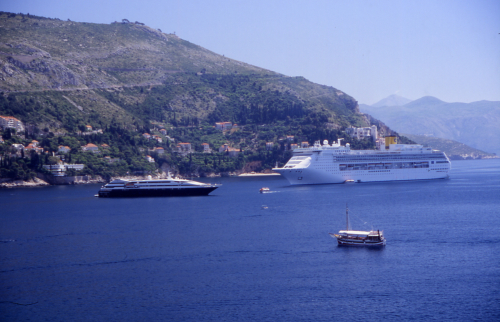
(126, 81)
(475, 124)
(453, 149)
(130, 73)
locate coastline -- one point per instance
(46, 180)
(36, 182)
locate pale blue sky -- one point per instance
(368, 49)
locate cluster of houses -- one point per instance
(148, 136)
(182, 148)
(186, 148)
(289, 145)
(21, 150)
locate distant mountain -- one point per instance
(393, 100)
(424, 102)
(453, 149)
(475, 124)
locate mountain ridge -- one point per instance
(83, 59)
(475, 123)
(425, 101)
(392, 100)
(453, 149)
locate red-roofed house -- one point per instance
(31, 147)
(90, 148)
(157, 138)
(64, 149)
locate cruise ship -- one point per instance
(156, 188)
(323, 164)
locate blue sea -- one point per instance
(239, 255)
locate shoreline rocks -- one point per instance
(36, 182)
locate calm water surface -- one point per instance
(238, 255)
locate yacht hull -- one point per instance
(164, 192)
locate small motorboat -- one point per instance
(264, 189)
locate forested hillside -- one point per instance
(126, 79)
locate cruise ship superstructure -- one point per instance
(323, 164)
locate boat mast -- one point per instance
(346, 216)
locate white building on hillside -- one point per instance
(223, 126)
(59, 170)
(11, 122)
(361, 133)
(184, 148)
(206, 148)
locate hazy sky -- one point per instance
(368, 49)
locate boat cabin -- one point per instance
(361, 235)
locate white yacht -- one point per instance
(156, 188)
(322, 164)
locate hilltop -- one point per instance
(392, 100)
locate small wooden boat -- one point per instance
(357, 237)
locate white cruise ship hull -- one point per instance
(318, 176)
(326, 164)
